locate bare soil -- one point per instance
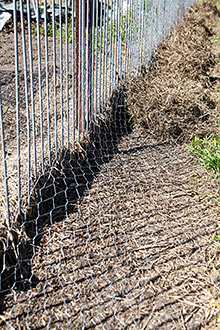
(121, 236)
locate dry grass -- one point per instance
(172, 99)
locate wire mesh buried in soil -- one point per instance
(134, 242)
(58, 190)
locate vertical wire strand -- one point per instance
(96, 58)
(100, 56)
(114, 45)
(136, 36)
(120, 37)
(131, 57)
(67, 75)
(110, 51)
(157, 11)
(4, 164)
(92, 87)
(116, 42)
(151, 30)
(158, 21)
(61, 72)
(40, 86)
(17, 104)
(126, 38)
(26, 102)
(142, 31)
(47, 84)
(87, 64)
(73, 76)
(83, 45)
(130, 29)
(79, 71)
(145, 36)
(164, 17)
(54, 78)
(106, 71)
(168, 17)
(160, 18)
(104, 54)
(32, 88)
(155, 30)
(136, 50)
(77, 68)
(146, 32)
(119, 43)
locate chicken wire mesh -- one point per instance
(63, 121)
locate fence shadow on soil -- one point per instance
(57, 192)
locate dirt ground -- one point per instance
(137, 252)
(128, 242)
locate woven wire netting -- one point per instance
(127, 248)
(110, 232)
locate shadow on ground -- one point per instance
(57, 192)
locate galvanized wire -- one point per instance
(122, 39)
(17, 106)
(47, 83)
(54, 77)
(40, 89)
(34, 153)
(4, 160)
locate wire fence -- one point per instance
(57, 86)
(61, 78)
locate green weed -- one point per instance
(208, 151)
(49, 29)
(111, 32)
(216, 38)
(216, 237)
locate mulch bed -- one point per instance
(134, 249)
(172, 97)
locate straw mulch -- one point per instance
(172, 98)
